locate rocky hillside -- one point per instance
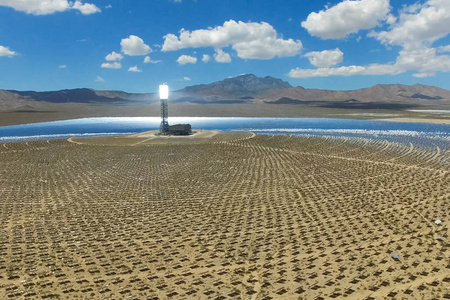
(241, 89)
(377, 93)
(82, 95)
(242, 86)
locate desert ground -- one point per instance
(55, 112)
(223, 216)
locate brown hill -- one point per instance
(391, 93)
(241, 89)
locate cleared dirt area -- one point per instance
(223, 216)
(153, 137)
(68, 111)
(419, 120)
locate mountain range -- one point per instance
(247, 89)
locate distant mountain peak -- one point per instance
(242, 85)
(244, 88)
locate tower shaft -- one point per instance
(164, 127)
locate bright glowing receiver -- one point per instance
(164, 96)
(163, 92)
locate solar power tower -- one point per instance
(164, 97)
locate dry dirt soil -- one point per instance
(55, 112)
(223, 216)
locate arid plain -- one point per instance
(223, 216)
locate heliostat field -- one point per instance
(223, 216)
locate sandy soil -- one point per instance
(74, 111)
(418, 120)
(223, 216)
(152, 137)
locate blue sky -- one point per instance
(136, 45)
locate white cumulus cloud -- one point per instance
(374, 69)
(99, 79)
(186, 78)
(46, 7)
(148, 60)
(326, 58)
(134, 45)
(113, 65)
(134, 69)
(415, 30)
(424, 62)
(186, 59)
(250, 40)
(347, 17)
(418, 26)
(62, 66)
(206, 58)
(4, 51)
(222, 57)
(86, 8)
(443, 49)
(113, 56)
